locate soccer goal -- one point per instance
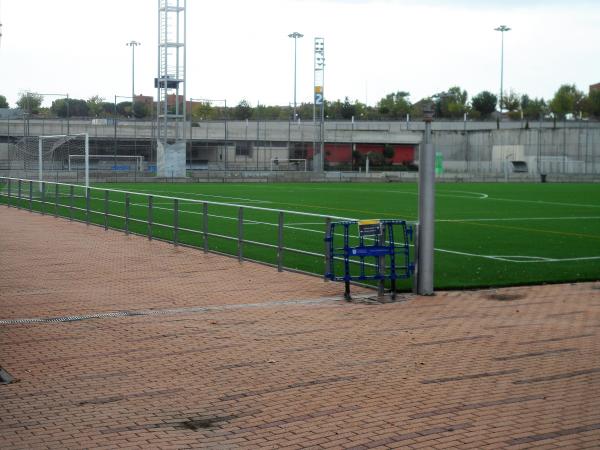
(298, 165)
(50, 154)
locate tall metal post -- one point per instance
(502, 29)
(426, 208)
(295, 36)
(133, 45)
(319, 106)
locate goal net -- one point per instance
(288, 164)
(36, 157)
(108, 162)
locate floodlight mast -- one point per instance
(133, 45)
(502, 29)
(319, 105)
(295, 36)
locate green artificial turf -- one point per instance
(487, 234)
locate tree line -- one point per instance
(454, 103)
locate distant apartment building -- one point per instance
(595, 87)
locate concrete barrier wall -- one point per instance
(571, 147)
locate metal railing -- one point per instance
(162, 217)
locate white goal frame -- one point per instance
(138, 159)
(86, 155)
(276, 161)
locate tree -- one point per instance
(140, 110)
(533, 108)
(70, 107)
(242, 111)
(95, 105)
(347, 110)
(484, 103)
(30, 102)
(511, 102)
(395, 105)
(567, 100)
(3, 102)
(593, 104)
(124, 109)
(451, 104)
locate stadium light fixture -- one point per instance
(133, 45)
(295, 36)
(502, 29)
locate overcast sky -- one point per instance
(239, 49)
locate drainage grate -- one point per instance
(5, 377)
(184, 310)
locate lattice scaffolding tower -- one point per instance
(171, 89)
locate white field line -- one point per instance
(250, 200)
(517, 219)
(512, 259)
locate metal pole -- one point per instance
(150, 217)
(426, 209)
(71, 203)
(87, 205)
(280, 243)
(240, 234)
(126, 213)
(87, 160)
(502, 29)
(56, 200)
(175, 221)
(205, 226)
(328, 259)
(105, 210)
(19, 188)
(295, 35)
(30, 195)
(43, 194)
(8, 192)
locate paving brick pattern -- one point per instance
(245, 357)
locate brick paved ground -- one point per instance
(276, 360)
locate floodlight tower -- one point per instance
(133, 45)
(295, 36)
(502, 29)
(171, 89)
(319, 106)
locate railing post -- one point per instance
(280, 243)
(205, 226)
(71, 202)
(240, 234)
(381, 263)
(175, 221)
(126, 213)
(55, 200)
(8, 199)
(19, 189)
(43, 198)
(105, 210)
(327, 259)
(150, 217)
(87, 206)
(30, 195)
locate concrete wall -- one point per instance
(571, 147)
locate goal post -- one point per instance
(288, 164)
(52, 150)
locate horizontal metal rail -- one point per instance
(99, 198)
